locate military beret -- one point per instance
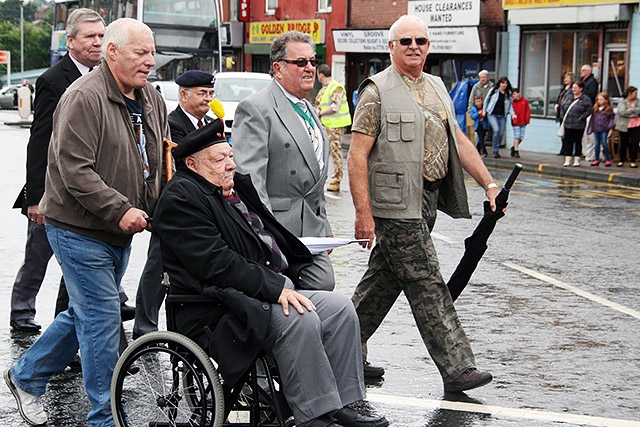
(193, 78)
(209, 134)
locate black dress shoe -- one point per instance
(127, 312)
(25, 325)
(350, 418)
(372, 372)
(323, 421)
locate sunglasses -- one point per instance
(406, 41)
(303, 62)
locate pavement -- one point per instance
(550, 164)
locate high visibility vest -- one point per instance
(340, 119)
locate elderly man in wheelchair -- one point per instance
(221, 243)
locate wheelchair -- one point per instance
(165, 379)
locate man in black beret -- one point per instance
(218, 239)
(196, 90)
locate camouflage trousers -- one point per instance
(335, 147)
(404, 259)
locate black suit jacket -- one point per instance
(181, 125)
(49, 88)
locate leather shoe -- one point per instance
(350, 418)
(372, 372)
(471, 378)
(25, 325)
(127, 312)
(323, 421)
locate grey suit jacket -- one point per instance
(271, 144)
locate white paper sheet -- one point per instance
(317, 245)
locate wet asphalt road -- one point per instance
(553, 310)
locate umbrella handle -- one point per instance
(501, 198)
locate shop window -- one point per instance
(324, 5)
(546, 57)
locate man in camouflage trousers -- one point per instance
(406, 160)
(333, 109)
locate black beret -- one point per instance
(193, 78)
(209, 134)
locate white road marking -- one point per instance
(442, 237)
(577, 291)
(521, 413)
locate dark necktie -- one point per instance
(90, 69)
(200, 124)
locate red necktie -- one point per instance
(200, 124)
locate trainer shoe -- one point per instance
(471, 378)
(30, 406)
(333, 187)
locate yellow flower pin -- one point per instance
(217, 108)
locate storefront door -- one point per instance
(615, 66)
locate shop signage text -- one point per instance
(515, 4)
(443, 13)
(265, 32)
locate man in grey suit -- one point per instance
(279, 140)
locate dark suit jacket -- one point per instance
(49, 88)
(181, 125)
(208, 248)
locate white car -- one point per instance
(232, 87)
(169, 91)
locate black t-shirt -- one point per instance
(135, 113)
(498, 110)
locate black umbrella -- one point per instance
(476, 244)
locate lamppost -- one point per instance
(21, 41)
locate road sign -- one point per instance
(4, 56)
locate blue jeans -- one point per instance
(601, 139)
(498, 124)
(92, 270)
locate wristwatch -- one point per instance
(490, 186)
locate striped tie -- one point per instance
(200, 124)
(317, 147)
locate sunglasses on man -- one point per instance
(406, 41)
(303, 62)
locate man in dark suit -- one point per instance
(219, 240)
(196, 91)
(279, 140)
(85, 29)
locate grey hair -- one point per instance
(279, 45)
(395, 25)
(81, 15)
(587, 66)
(483, 73)
(123, 31)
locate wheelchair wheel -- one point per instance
(174, 384)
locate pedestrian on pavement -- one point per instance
(396, 188)
(590, 82)
(85, 29)
(279, 140)
(333, 109)
(219, 239)
(498, 106)
(627, 123)
(601, 123)
(480, 124)
(103, 177)
(520, 118)
(567, 80)
(575, 111)
(481, 88)
(195, 93)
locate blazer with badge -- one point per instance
(49, 89)
(181, 125)
(273, 146)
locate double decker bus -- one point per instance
(187, 32)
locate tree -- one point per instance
(10, 11)
(37, 45)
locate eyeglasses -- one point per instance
(302, 62)
(406, 41)
(203, 93)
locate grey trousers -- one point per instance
(151, 291)
(318, 276)
(318, 355)
(37, 253)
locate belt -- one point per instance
(432, 185)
